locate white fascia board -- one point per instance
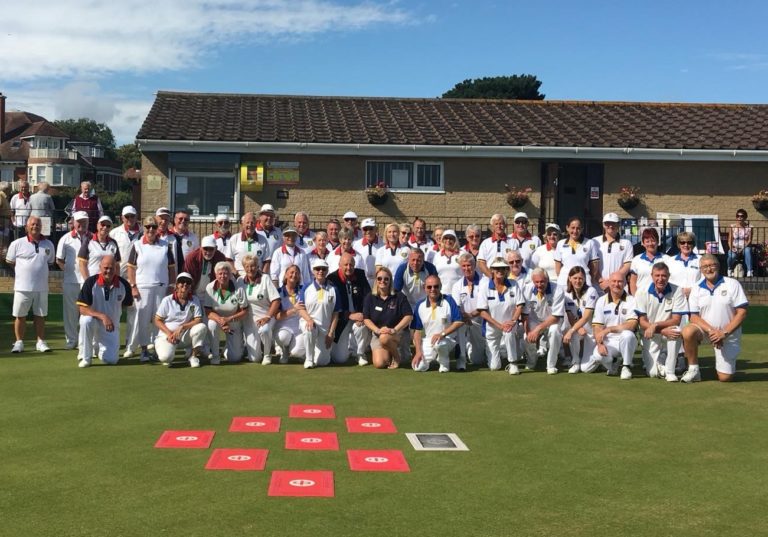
(466, 151)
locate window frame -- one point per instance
(415, 174)
(175, 173)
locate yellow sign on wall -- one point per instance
(251, 176)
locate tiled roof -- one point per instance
(454, 122)
(20, 125)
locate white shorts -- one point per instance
(725, 357)
(23, 301)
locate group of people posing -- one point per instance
(348, 292)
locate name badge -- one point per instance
(378, 308)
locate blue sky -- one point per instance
(81, 58)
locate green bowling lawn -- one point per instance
(565, 455)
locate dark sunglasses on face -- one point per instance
(430, 287)
(151, 227)
(382, 279)
(684, 243)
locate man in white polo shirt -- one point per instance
(367, 248)
(66, 258)
(265, 226)
(125, 234)
(250, 241)
(435, 319)
(527, 242)
(305, 238)
(615, 253)
(101, 302)
(30, 256)
(718, 307)
(614, 325)
(99, 245)
(179, 320)
(350, 224)
(223, 236)
(497, 245)
(659, 311)
(544, 310)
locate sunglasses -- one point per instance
(430, 287)
(515, 262)
(209, 248)
(521, 221)
(150, 227)
(129, 216)
(105, 224)
(382, 279)
(321, 269)
(684, 243)
(182, 219)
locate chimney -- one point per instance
(2, 118)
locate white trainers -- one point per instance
(692, 375)
(151, 347)
(574, 369)
(361, 361)
(18, 346)
(267, 360)
(551, 371)
(128, 353)
(42, 346)
(84, 362)
(750, 274)
(662, 371)
(670, 377)
(654, 372)
(443, 369)
(512, 369)
(309, 364)
(626, 373)
(194, 361)
(541, 352)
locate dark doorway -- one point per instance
(572, 189)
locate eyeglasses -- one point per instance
(105, 224)
(182, 220)
(382, 279)
(321, 269)
(708, 267)
(685, 243)
(449, 238)
(350, 219)
(183, 282)
(430, 287)
(208, 248)
(521, 221)
(515, 262)
(741, 216)
(129, 216)
(150, 227)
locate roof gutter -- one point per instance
(463, 151)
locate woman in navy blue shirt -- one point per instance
(387, 314)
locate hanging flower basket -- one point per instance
(628, 203)
(760, 200)
(377, 195)
(517, 196)
(629, 197)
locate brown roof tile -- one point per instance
(440, 122)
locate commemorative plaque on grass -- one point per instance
(436, 442)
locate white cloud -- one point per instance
(83, 38)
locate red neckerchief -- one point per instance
(315, 252)
(30, 239)
(259, 227)
(85, 235)
(145, 241)
(338, 251)
(284, 249)
(521, 238)
(467, 248)
(366, 242)
(135, 227)
(550, 248)
(412, 240)
(217, 235)
(435, 248)
(443, 252)
(343, 278)
(114, 283)
(496, 238)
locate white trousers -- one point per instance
(144, 329)
(582, 354)
(355, 338)
(316, 351)
(554, 340)
(71, 311)
(108, 343)
(653, 349)
(192, 338)
(290, 344)
(233, 352)
(441, 352)
(472, 344)
(258, 339)
(496, 340)
(621, 345)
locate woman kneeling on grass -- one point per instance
(580, 301)
(289, 340)
(225, 305)
(387, 314)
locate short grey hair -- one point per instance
(538, 271)
(223, 265)
(247, 260)
(42, 186)
(473, 227)
(466, 256)
(5, 186)
(496, 217)
(346, 234)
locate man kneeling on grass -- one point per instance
(434, 320)
(101, 301)
(180, 321)
(718, 307)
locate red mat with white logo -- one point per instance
(377, 460)
(255, 424)
(312, 441)
(318, 412)
(237, 459)
(185, 439)
(370, 425)
(301, 483)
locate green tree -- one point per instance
(88, 130)
(130, 156)
(524, 87)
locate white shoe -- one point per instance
(692, 375)
(309, 364)
(591, 366)
(575, 368)
(70, 345)
(215, 360)
(18, 346)
(84, 362)
(443, 369)
(361, 361)
(654, 372)
(128, 353)
(626, 373)
(551, 371)
(750, 274)
(670, 377)
(541, 352)
(730, 273)
(194, 362)
(42, 346)
(662, 371)
(151, 347)
(267, 360)
(512, 369)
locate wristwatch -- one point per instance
(442, 334)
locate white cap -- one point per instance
(163, 211)
(105, 218)
(350, 214)
(267, 208)
(80, 215)
(222, 218)
(368, 222)
(552, 226)
(451, 233)
(289, 230)
(318, 263)
(499, 263)
(611, 217)
(129, 209)
(183, 275)
(520, 215)
(208, 242)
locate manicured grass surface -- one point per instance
(581, 455)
